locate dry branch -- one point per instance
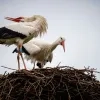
(60, 83)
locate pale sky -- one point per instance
(76, 20)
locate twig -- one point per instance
(8, 68)
(58, 64)
(51, 84)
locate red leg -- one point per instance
(20, 53)
(20, 46)
(23, 60)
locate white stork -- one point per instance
(19, 33)
(40, 51)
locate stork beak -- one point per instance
(63, 44)
(18, 19)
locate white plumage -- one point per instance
(22, 28)
(28, 27)
(19, 33)
(41, 51)
(39, 64)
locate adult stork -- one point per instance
(40, 51)
(20, 33)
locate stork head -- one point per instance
(61, 41)
(18, 19)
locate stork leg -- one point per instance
(23, 61)
(34, 65)
(20, 53)
(42, 65)
(18, 61)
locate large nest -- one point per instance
(64, 83)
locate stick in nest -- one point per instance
(8, 68)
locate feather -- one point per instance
(6, 33)
(32, 27)
(33, 49)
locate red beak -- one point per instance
(63, 44)
(18, 19)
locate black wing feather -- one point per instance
(6, 33)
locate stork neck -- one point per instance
(54, 45)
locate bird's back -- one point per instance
(40, 43)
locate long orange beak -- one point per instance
(18, 19)
(63, 44)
